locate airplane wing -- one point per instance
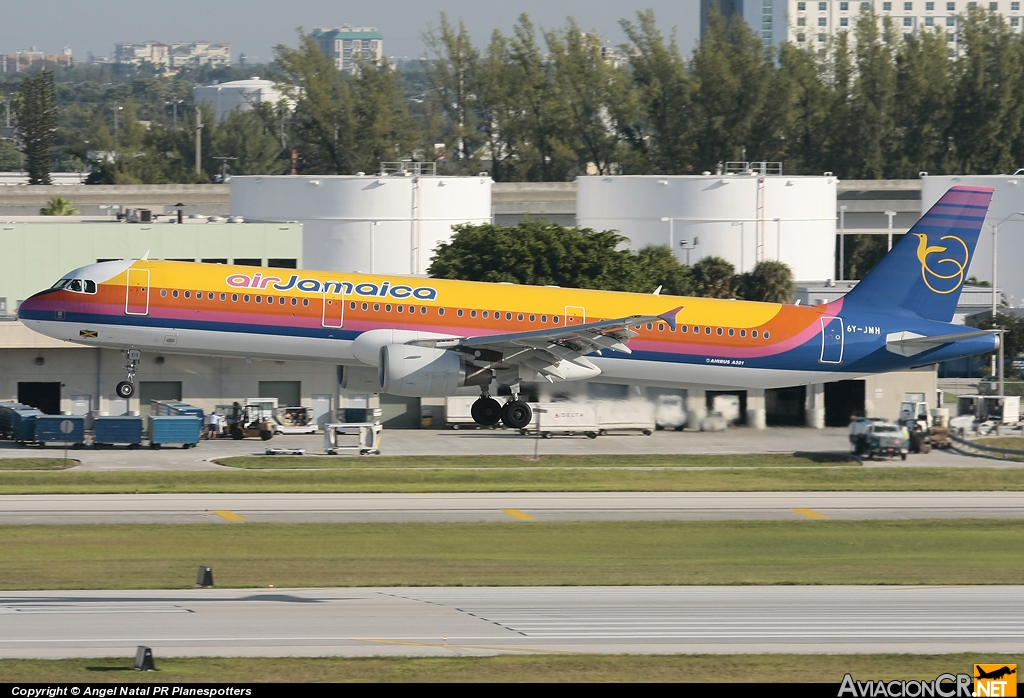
(911, 343)
(548, 351)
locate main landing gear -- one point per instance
(514, 414)
(126, 388)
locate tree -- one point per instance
(770, 282)
(249, 137)
(37, 124)
(714, 277)
(454, 75)
(10, 158)
(1013, 338)
(539, 253)
(664, 87)
(58, 206)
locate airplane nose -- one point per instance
(30, 306)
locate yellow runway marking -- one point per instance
(229, 515)
(519, 515)
(810, 513)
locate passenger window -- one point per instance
(767, 334)
(543, 318)
(554, 319)
(707, 330)
(210, 295)
(399, 308)
(245, 298)
(387, 308)
(376, 307)
(188, 294)
(223, 296)
(732, 332)
(259, 299)
(508, 316)
(163, 292)
(282, 301)
(459, 312)
(440, 311)
(520, 317)
(423, 310)
(661, 327)
(305, 301)
(352, 305)
(719, 331)
(650, 326)
(683, 329)
(484, 314)
(743, 333)
(472, 313)
(533, 318)
(366, 306)
(753, 334)
(234, 297)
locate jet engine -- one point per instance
(414, 371)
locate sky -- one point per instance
(254, 27)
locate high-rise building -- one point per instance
(173, 57)
(26, 60)
(810, 23)
(348, 45)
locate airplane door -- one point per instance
(334, 310)
(136, 300)
(575, 315)
(832, 340)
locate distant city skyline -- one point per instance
(254, 27)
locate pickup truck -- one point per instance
(879, 438)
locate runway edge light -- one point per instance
(205, 576)
(144, 659)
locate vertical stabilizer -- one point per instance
(924, 271)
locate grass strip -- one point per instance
(36, 464)
(631, 460)
(371, 479)
(963, 551)
(764, 668)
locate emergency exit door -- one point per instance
(575, 315)
(334, 310)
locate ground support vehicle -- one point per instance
(625, 415)
(7, 416)
(670, 412)
(110, 431)
(294, 420)
(914, 417)
(248, 422)
(368, 436)
(880, 438)
(570, 418)
(167, 429)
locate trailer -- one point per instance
(294, 420)
(165, 429)
(174, 408)
(568, 418)
(625, 415)
(23, 425)
(111, 431)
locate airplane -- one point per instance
(996, 674)
(426, 337)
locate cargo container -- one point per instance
(23, 424)
(48, 429)
(108, 431)
(182, 430)
(6, 417)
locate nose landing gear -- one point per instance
(126, 388)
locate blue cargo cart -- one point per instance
(6, 418)
(48, 430)
(109, 431)
(23, 424)
(182, 430)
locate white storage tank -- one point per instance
(388, 224)
(1007, 202)
(743, 218)
(238, 94)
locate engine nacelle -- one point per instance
(413, 371)
(366, 347)
(360, 379)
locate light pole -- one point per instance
(199, 141)
(116, 110)
(671, 231)
(842, 242)
(890, 214)
(685, 244)
(995, 277)
(223, 166)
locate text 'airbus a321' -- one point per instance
(422, 337)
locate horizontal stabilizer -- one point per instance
(911, 343)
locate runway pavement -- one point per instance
(476, 621)
(541, 506)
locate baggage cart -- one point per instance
(182, 430)
(110, 431)
(6, 418)
(48, 430)
(367, 440)
(23, 424)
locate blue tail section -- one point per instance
(924, 272)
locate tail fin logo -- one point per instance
(944, 275)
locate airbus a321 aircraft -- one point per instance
(422, 337)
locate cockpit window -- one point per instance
(76, 285)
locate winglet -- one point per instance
(670, 317)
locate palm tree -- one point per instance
(58, 206)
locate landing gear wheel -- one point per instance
(125, 389)
(516, 414)
(486, 411)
